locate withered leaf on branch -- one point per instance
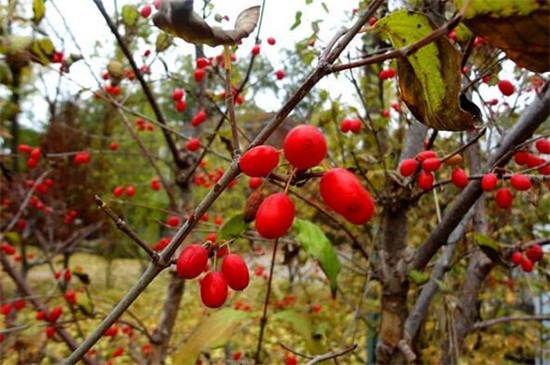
(520, 28)
(179, 19)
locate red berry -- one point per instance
(345, 125)
(534, 253)
(113, 146)
(192, 261)
(218, 220)
(54, 314)
(506, 87)
(213, 289)
(237, 355)
(32, 163)
(181, 105)
(275, 216)
(291, 360)
(119, 351)
(408, 167)
(235, 271)
(305, 146)
(271, 41)
(280, 74)
(526, 264)
(355, 125)
(459, 177)
(425, 180)
(36, 153)
(193, 144)
(199, 74)
(254, 183)
(544, 170)
(118, 191)
(202, 62)
(173, 221)
(146, 11)
(504, 198)
(431, 164)
(177, 94)
(342, 191)
(70, 296)
(516, 257)
(520, 182)
(489, 182)
(155, 184)
(385, 113)
(199, 118)
(521, 157)
(23, 148)
(130, 191)
(534, 161)
(50, 332)
(5, 309)
(40, 315)
(372, 20)
(259, 161)
(256, 50)
(424, 155)
(543, 146)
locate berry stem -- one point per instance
(263, 320)
(229, 102)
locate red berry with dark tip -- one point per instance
(235, 271)
(259, 161)
(304, 147)
(192, 261)
(213, 289)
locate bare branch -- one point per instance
(491, 322)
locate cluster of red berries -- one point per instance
(143, 125)
(82, 158)
(210, 177)
(527, 261)
(386, 73)
(352, 125)
(214, 285)
(129, 190)
(50, 317)
(304, 147)
(34, 155)
(178, 96)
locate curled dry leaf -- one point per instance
(179, 19)
(520, 28)
(429, 79)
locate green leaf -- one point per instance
(521, 28)
(130, 15)
(233, 227)
(316, 244)
(163, 42)
(297, 20)
(84, 303)
(13, 237)
(214, 331)
(430, 78)
(325, 8)
(418, 277)
(301, 324)
(43, 50)
(484, 240)
(38, 10)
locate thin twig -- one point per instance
(263, 320)
(331, 355)
(491, 322)
(124, 228)
(229, 101)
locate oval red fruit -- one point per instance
(543, 146)
(54, 314)
(460, 178)
(213, 289)
(259, 161)
(236, 273)
(425, 180)
(177, 94)
(305, 146)
(431, 164)
(24, 148)
(173, 221)
(199, 118)
(193, 144)
(345, 125)
(254, 183)
(256, 50)
(504, 198)
(489, 181)
(342, 191)
(516, 257)
(192, 261)
(520, 182)
(408, 167)
(199, 74)
(275, 216)
(271, 41)
(526, 264)
(118, 191)
(521, 157)
(146, 11)
(506, 87)
(534, 253)
(425, 155)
